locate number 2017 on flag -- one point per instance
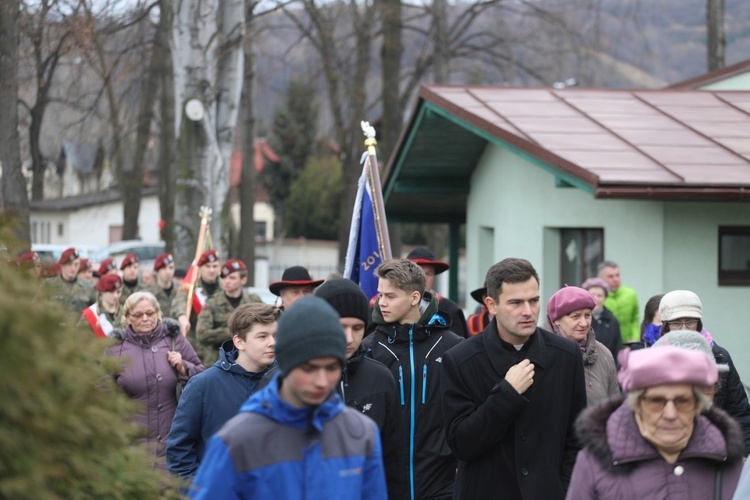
(370, 260)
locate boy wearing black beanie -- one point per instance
(297, 424)
(366, 384)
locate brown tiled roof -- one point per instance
(713, 77)
(621, 143)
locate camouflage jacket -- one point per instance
(75, 296)
(127, 291)
(212, 327)
(165, 299)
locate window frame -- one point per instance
(732, 277)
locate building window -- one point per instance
(34, 238)
(60, 229)
(260, 230)
(734, 255)
(581, 251)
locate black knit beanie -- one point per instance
(346, 297)
(308, 330)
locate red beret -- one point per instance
(27, 258)
(109, 283)
(85, 264)
(232, 266)
(106, 266)
(69, 255)
(129, 259)
(208, 256)
(162, 260)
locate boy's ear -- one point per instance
(238, 342)
(415, 298)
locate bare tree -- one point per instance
(167, 136)
(14, 196)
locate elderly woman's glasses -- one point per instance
(139, 315)
(658, 403)
(683, 324)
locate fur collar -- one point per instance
(591, 429)
(171, 325)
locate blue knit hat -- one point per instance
(309, 330)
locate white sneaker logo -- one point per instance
(366, 407)
(439, 360)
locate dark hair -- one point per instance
(652, 307)
(246, 315)
(508, 271)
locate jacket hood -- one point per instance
(268, 402)
(228, 362)
(608, 430)
(430, 319)
(171, 328)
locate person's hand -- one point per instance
(184, 324)
(175, 359)
(521, 376)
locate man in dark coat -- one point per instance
(511, 395)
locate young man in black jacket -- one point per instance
(367, 385)
(511, 395)
(410, 338)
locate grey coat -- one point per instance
(599, 370)
(149, 379)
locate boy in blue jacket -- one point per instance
(295, 438)
(214, 396)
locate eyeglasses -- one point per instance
(683, 324)
(139, 315)
(656, 404)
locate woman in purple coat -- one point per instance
(155, 355)
(664, 441)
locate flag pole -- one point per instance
(205, 214)
(384, 241)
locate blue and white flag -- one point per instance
(364, 253)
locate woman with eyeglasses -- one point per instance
(156, 358)
(663, 439)
(683, 310)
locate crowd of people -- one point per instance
(329, 394)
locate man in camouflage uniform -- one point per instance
(206, 285)
(212, 327)
(130, 281)
(164, 289)
(74, 294)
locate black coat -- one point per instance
(513, 446)
(367, 386)
(607, 331)
(731, 396)
(429, 458)
(458, 319)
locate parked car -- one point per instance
(50, 254)
(264, 294)
(146, 252)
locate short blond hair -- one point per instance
(136, 297)
(405, 275)
(247, 315)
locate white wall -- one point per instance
(736, 82)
